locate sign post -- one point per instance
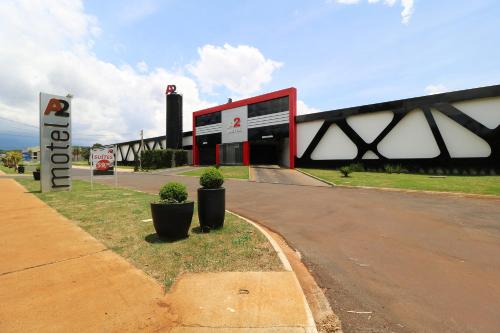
(103, 163)
(55, 142)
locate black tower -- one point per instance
(174, 121)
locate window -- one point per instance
(268, 107)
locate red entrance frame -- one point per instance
(292, 130)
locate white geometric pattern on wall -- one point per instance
(459, 141)
(410, 138)
(335, 144)
(305, 133)
(368, 126)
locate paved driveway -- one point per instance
(389, 261)
(276, 175)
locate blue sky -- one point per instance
(336, 55)
(118, 56)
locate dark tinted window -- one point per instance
(267, 107)
(208, 119)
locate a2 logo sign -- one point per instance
(59, 106)
(236, 122)
(171, 88)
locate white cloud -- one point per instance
(408, 6)
(408, 9)
(142, 67)
(111, 103)
(54, 54)
(136, 10)
(302, 108)
(242, 69)
(435, 89)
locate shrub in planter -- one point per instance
(211, 200)
(36, 173)
(20, 168)
(345, 171)
(172, 214)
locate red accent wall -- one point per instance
(292, 131)
(246, 153)
(217, 154)
(195, 147)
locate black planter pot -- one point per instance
(172, 221)
(211, 207)
(20, 169)
(36, 175)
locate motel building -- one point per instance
(258, 130)
(456, 132)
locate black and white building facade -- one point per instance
(451, 131)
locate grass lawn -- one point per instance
(238, 172)
(7, 170)
(465, 184)
(114, 216)
(85, 163)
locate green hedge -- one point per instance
(163, 158)
(180, 157)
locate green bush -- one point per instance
(180, 157)
(156, 159)
(173, 193)
(357, 167)
(212, 178)
(163, 158)
(398, 168)
(345, 171)
(388, 168)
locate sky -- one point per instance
(117, 57)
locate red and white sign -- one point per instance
(234, 125)
(103, 159)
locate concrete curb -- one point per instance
(286, 264)
(317, 178)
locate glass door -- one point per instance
(231, 154)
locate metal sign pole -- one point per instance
(91, 169)
(116, 165)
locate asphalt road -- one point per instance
(389, 261)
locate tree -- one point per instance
(76, 152)
(13, 158)
(85, 152)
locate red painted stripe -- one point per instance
(195, 147)
(292, 130)
(246, 153)
(217, 154)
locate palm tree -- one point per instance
(76, 153)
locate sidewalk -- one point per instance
(55, 277)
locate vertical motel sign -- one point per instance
(55, 143)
